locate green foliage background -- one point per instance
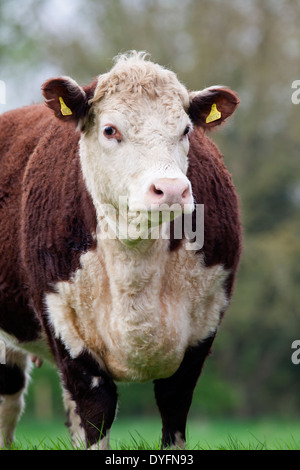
(252, 46)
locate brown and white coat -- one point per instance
(106, 310)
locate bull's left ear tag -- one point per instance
(214, 114)
(65, 111)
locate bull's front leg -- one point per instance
(90, 398)
(174, 394)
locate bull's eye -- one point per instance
(112, 132)
(186, 130)
(109, 130)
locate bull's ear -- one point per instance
(68, 100)
(211, 106)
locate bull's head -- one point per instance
(135, 122)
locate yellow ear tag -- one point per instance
(65, 111)
(214, 114)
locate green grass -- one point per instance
(144, 434)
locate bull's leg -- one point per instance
(90, 398)
(14, 377)
(174, 394)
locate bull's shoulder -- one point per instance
(58, 216)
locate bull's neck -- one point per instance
(133, 269)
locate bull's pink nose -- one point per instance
(170, 191)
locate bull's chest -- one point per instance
(138, 315)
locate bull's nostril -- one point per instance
(157, 191)
(186, 193)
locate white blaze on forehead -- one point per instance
(134, 75)
(144, 100)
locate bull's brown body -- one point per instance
(48, 221)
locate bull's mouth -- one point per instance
(131, 225)
(136, 225)
(157, 215)
(160, 212)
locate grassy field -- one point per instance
(144, 433)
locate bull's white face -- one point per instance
(137, 151)
(135, 122)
